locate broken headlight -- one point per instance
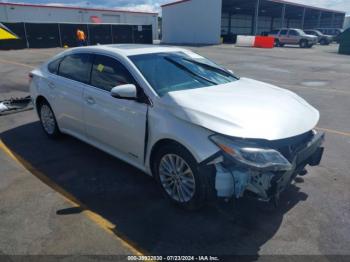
(252, 155)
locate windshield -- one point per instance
(313, 32)
(168, 72)
(301, 32)
(318, 32)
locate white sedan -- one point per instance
(201, 131)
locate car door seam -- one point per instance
(146, 135)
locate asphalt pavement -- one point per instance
(66, 197)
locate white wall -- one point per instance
(10, 13)
(192, 22)
(3, 15)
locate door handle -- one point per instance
(90, 100)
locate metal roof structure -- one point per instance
(76, 8)
(274, 1)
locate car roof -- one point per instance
(133, 49)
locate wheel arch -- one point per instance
(161, 143)
(39, 100)
(205, 174)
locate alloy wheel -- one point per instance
(177, 178)
(47, 119)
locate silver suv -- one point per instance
(291, 36)
(322, 38)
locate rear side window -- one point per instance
(283, 32)
(108, 73)
(293, 32)
(76, 67)
(53, 66)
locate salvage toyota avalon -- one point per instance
(201, 131)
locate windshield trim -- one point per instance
(182, 67)
(215, 68)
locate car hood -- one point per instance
(245, 108)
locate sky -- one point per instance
(154, 5)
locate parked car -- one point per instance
(293, 37)
(322, 39)
(334, 32)
(200, 130)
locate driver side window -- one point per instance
(293, 33)
(108, 73)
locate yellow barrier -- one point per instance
(4, 34)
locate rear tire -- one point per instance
(277, 43)
(180, 178)
(48, 120)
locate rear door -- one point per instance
(283, 36)
(73, 75)
(116, 125)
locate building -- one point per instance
(11, 13)
(206, 21)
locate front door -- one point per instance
(116, 125)
(293, 37)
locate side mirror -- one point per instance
(127, 91)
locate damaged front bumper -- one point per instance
(15, 105)
(234, 180)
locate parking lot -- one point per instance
(67, 198)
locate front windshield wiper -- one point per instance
(181, 66)
(211, 67)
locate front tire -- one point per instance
(278, 43)
(48, 120)
(180, 179)
(303, 43)
(325, 42)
